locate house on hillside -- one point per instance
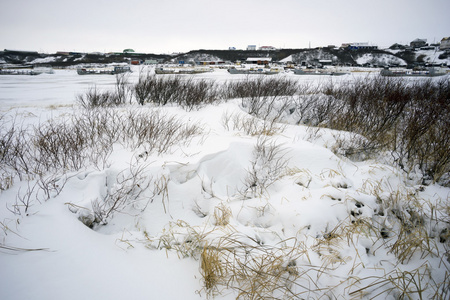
(360, 46)
(259, 60)
(445, 43)
(251, 47)
(418, 43)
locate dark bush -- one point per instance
(408, 118)
(95, 98)
(187, 92)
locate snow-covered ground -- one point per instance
(314, 219)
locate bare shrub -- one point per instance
(372, 108)
(127, 189)
(94, 98)
(83, 139)
(164, 90)
(424, 139)
(250, 125)
(88, 138)
(50, 186)
(264, 97)
(268, 164)
(122, 94)
(154, 131)
(15, 152)
(24, 201)
(187, 92)
(259, 87)
(409, 119)
(316, 109)
(143, 88)
(60, 146)
(198, 93)
(267, 98)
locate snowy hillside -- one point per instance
(314, 55)
(176, 202)
(435, 57)
(340, 56)
(195, 57)
(380, 60)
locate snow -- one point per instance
(428, 56)
(380, 59)
(286, 59)
(432, 57)
(48, 253)
(45, 60)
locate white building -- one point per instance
(251, 47)
(445, 43)
(258, 60)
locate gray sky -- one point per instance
(166, 26)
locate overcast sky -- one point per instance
(166, 26)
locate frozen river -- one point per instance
(62, 87)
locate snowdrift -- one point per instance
(211, 209)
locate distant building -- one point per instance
(417, 43)
(151, 62)
(267, 48)
(445, 43)
(208, 62)
(359, 46)
(325, 62)
(259, 60)
(251, 47)
(231, 48)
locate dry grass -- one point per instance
(415, 284)
(254, 272)
(222, 215)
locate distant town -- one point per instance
(417, 53)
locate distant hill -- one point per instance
(314, 57)
(73, 58)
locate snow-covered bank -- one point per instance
(280, 215)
